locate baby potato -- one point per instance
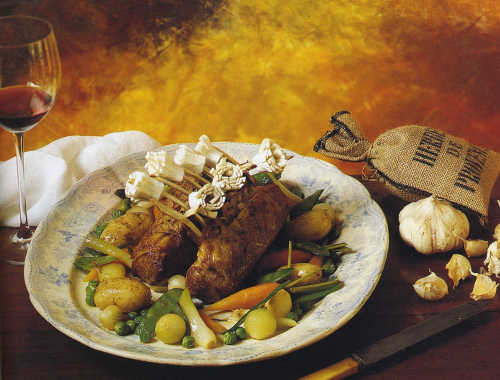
(126, 293)
(111, 270)
(109, 316)
(170, 328)
(280, 304)
(260, 324)
(310, 226)
(327, 209)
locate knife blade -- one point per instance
(408, 337)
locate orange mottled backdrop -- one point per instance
(248, 69)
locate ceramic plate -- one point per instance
(57, 291)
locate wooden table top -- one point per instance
(32, 348)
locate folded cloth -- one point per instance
(51, 171)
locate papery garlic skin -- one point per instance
(141, 186)
(431, 287)
(270, 157)
(458, 268)
(432, 225)
(160, 164)
(207, 149)
(492, 260)
(484, 288)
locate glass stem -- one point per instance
(24, 230)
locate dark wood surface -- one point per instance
(32, 348)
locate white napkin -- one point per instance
(53, 169)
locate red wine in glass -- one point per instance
(21, 107)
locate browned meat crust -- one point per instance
(232, 244)
(168, 248)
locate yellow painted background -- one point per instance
(244, 70)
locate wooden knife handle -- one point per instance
(339, 370)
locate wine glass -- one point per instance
(30, 72)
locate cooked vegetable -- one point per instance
(177, 281)
(244, 299)
(327, 209)
(167, 303)
(126, 293)
(90, 292)
(241, 333)
(132, 324)
(260, 324)
(279, 258)
(92, 275)
(188, 341)
(263, 178)
(112, 270)
(316, 296)
(306, 204)
(313, 287)
(230, 337)
(280, 304)
(109, 316)
(109, 249)
(285, 323)
(310, 273)
(127, 227)
(279, 275)
(310, 226)
(170, 328)
(122, 328)
(201, 333)
(284, 189)
(88, 263)
(214, 325)
(316, 260)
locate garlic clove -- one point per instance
(458, 268)
(496, 232)
(433, 225)
(492, 260)
(484, 288)
(475, 248)
(431, 287)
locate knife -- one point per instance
(386, 347)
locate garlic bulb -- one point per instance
(484, 288)
(493, 259)
(432, 225)
(431, 287)
(458, 268)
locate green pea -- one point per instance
(241, 333)
(188, 341)
(121, 328)
(131, 324)
(230, 337)
(132, 314)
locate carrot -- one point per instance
(316, 260)
(244, 299)
(92, 275)
(279, 258)
(212, 324)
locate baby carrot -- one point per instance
(244, 299)
(316, 260)
(92, 275)
(279, 258)
(212, 324)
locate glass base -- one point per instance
(14, 247)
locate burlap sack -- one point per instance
(415, 162)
